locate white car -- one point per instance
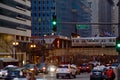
(4, 71)
(66, 70)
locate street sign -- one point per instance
(82, 26)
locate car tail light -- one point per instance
(87, 67)
(80, 67)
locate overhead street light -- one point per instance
(15, 44)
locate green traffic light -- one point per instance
(118, 45)
(54, 22)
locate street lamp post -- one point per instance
(15, 44)
(32, 46)
(44, 48)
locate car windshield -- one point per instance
(84, 64)
(41, 65)
(115, 64)
(9, 68)
(29, 65)
(62, 66)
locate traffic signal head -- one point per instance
(54, 23)
(118, 44)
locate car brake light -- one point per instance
(87, 67)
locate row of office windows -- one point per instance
(41, 28)
(44, 7)
(44, 1)
(41, 34)
(15, 4)
(13, 25)
(9, 13)
(42, 14)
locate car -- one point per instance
(97, 73)
(65, 70)
(115, 65)
(85, 67)
(76, 68)
(29, 68)
(42, 68)
(14, 73)
(4, 71)
(51, 68)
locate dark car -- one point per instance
(116, 64)
(98, 74)
(42, 68)
(4, 71)
(29, 68)
(85, 67)
(14, 73)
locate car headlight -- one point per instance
(6, 73)
(21, 73)
(0, 73)
(52, 69)
(43, 68)
(32, 69)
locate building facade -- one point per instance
(66, 12)
(104, 12)
(15, 26)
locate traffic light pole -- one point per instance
(119, 35)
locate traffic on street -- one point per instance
(59, 39)
(61, 72)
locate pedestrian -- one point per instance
(105, 74)
(110, 74)
(30, 76)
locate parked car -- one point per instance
(42, 68)
(65, 70)
(85, 67)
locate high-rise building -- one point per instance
(115, 17)
(15, 24)
(66, 12)
(104, 11)
(94, 18)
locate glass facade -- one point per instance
(43, 10)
